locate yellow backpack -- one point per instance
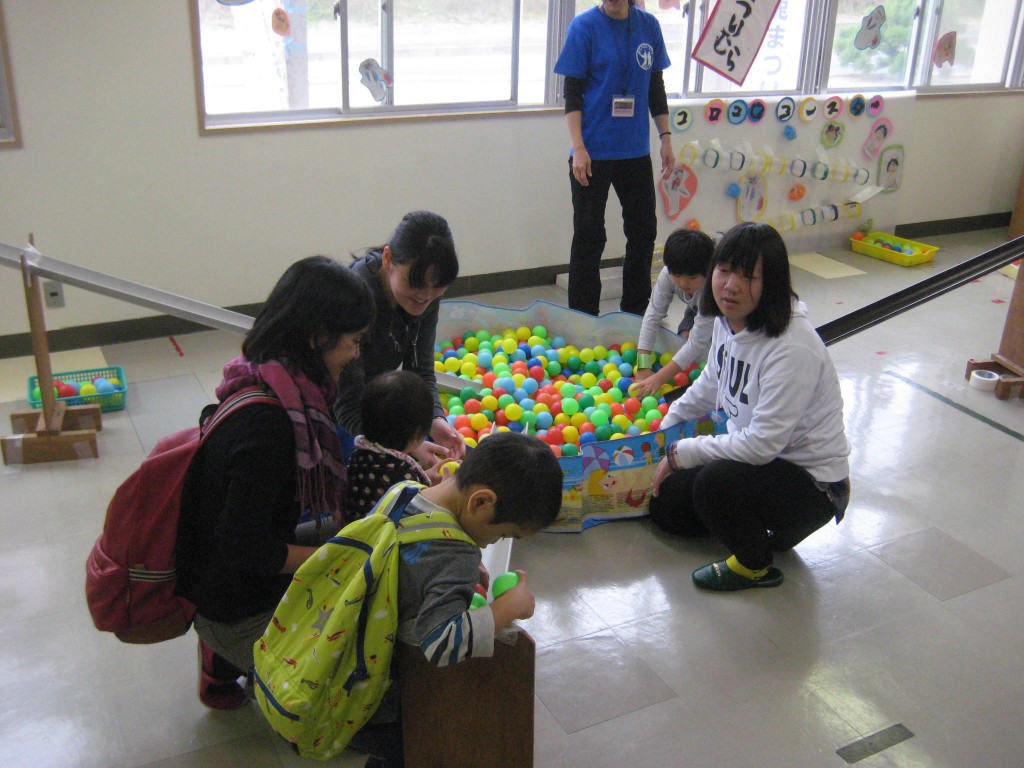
(324, 661)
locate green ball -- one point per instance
(478, 601)
(604, 432)
(504, 583)
(570, 449)
(467, 393)
(694, 374)
(554, 368)
(540, 330)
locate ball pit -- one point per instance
(532, 382)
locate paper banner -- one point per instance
(733, 36)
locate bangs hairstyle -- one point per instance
(688, 252)
(423, 241)
(396, 407)
(740, 249)
(317, 299)
(524, 475)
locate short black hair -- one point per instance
(396, 407)
(313, 304)
(741, 248)
(688, 252)
(523, 473)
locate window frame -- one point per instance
(10, 133)
(812, 77)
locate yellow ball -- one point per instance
(578, 419)
(665, 359)
(439, 367)
(588, 380)
(478, 421)
(571, 434)
(523, 333)
(586, 355)
(508, 346)
(469, 441)
(452, 364)
(514, 411)
(468, 369)
(490, 402)
(533, 341)
(628, 346)
(621, 421)
(600, 353)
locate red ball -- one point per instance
(472, 405)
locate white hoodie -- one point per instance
(781, 396)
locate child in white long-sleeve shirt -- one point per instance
(687, 254)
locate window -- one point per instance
(8, 120)
(872, 44)
(973, 40)
(261, 61)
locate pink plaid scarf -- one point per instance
(319, 461)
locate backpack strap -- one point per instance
(240, 399)
(438, 524)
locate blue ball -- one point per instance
(624, 383)
(484, 359)
(545, 420)
(558, 342)
(515, 426)
(588, 437)
(625, 369)
(530, 385)
(538, 350)
(526, 403)
(551, 355)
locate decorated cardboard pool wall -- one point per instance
(816, 168)
(610, 479)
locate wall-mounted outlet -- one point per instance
(53, 293)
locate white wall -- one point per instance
(113, 174)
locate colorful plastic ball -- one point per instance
(625, 369)
(545, 419)
(604, 432)
(599, 418)
(624, 384)
(478, 421)
(733, 190)
(87, 389)
(693, 225)
(857, 236)
(540, 330)
(104, 387)
(693, 375)
(797, 192)
(587, 437)
(570, 449)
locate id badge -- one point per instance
(622, 106)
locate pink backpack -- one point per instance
(129, 575)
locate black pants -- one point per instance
(633, 181)
(740, 503)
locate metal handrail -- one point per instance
(919, 293)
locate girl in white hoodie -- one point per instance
(781, 471)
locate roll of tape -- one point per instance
(984, 380)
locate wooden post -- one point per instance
(43, 435)
(1008, 362)
(474, 714)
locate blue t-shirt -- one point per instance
(614, 57)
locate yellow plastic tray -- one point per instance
(923, 253)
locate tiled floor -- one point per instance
(908, 613)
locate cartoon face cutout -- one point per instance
(870, 33)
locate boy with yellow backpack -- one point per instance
(405, 572)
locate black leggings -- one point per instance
(740, 504)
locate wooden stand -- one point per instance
(1008, 362)
(57, 432)
(476, 713)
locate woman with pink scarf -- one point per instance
(266, 466)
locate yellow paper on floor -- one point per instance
(15, 371)
(822, 266)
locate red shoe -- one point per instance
(218, 692)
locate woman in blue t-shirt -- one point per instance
(612, 62)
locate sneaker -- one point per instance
(218, 692)
(720, 578)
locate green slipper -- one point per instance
(719, 577)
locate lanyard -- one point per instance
(629, 40)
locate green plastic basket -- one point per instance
(112, 401)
